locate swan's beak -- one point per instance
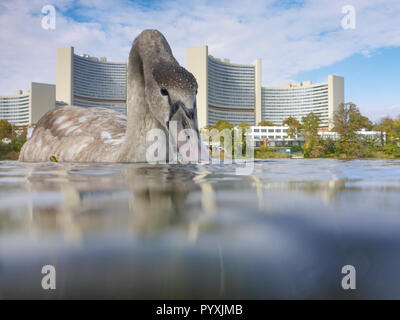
(186, 139)
(191, 148)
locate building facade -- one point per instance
(377, 136)
(27, 107)
(226, 91)
(234, 92)
(275, 135)
(300, 99)
(90, 82)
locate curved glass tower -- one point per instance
(296, 100)
(231, 92)
(300, 99)
(226, 91)
(15, 108)
(90, 82)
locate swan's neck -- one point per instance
(139, 118)
(139, 123)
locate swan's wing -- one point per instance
(76, 134)
(99, 123)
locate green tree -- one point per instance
(347, 120)
(390, 127)
(266, 123)
(312, 142)
(328, 145)
(244, 125)
(366, 123)
(223, 124)
(5, 129)
(294, 126)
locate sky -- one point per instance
(297, 40)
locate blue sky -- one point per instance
(372, 82)
(296, 40)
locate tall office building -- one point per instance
(300, 99)
(90, 82)
(27, 107)
(226, 91)
(234, 92)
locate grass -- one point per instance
(271, 155)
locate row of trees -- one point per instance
(347, 121)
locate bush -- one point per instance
(11, 150)
(296, 149)
(392, 149)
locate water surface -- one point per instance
(200, 231)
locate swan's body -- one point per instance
(159, 91)
(77, 134)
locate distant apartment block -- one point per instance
(234, 92)
(27, 107)
(300, 99)
(90, 82)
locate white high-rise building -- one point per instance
(300, 99)
(90, 82)
(27, 107)
(226, 91)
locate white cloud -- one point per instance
(378, 113)
(289, 40)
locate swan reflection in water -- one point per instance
(145, 199)
(151, 214)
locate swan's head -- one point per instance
(173, 104)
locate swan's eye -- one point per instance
(196, 91)
(164, 91)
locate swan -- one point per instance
(159, 92)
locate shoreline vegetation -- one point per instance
(349, 145)
(12, 138)
(347, 121)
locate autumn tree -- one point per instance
(223, 124)
(244, 124)
(294, 126)
(266, 123)
(347, 121)
(5, 129)
(390, 127)
(312, 142)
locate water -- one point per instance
(200, 231)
